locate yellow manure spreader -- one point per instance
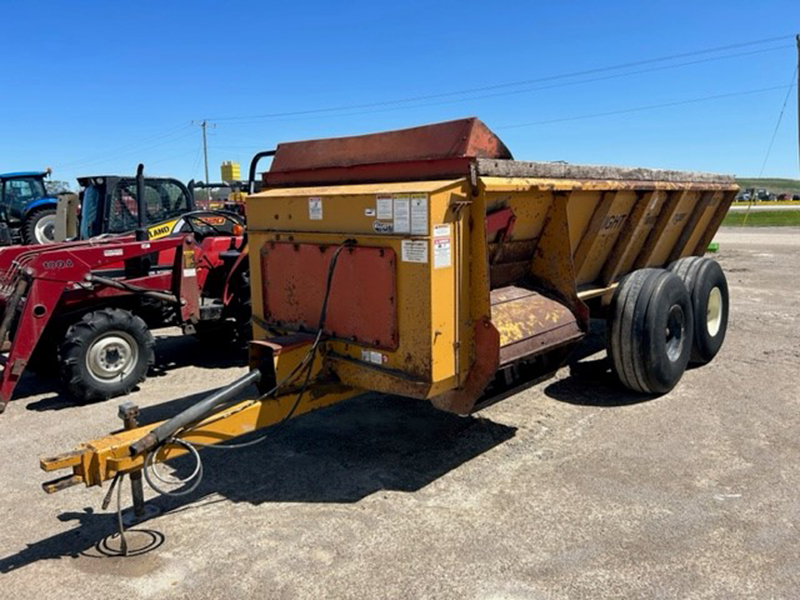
(427, 263)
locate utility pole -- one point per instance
(204, 125)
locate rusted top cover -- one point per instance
(431, 151)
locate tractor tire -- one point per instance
(650, 331)
(40, 227)
(106, 354)
(708, 289)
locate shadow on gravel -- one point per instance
(90, 539)
(339, 454)
(172, 352)
(591, 383)
(178, 351)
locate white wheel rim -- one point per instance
(44, 230)
(112, 357)
(714, 312)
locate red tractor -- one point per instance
(145, 259)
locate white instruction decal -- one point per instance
(414, 251)
(441, 247)
(371, 356)
(384, 206)
(315, 209)
(402, 215)
(113, 252)
(441, 230)
(419, 215)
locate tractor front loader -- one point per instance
(88, 306)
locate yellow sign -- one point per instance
(161, 230)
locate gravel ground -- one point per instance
(571, 488)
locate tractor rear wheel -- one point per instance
(40, 227)
(106, 354)
(650, 331)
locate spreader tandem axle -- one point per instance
(428, 263)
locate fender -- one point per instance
(45, 202)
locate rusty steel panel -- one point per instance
(362, 305)
(437, 150)
(461, 400)
(530, 323)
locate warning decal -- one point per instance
(414, 251)
(419, 215)
(441, 247)
(402, 215)
(383, 204)
(315, 209)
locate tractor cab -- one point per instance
(27, 211)
(109, 206)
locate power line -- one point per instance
(539, 88)
(644, 108)
(520, 83)
(778, 124)
(134, 149)
(125, 147)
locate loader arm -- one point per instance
(37, 280)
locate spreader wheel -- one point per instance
(650, 331)
(106, 354)
(708, 289)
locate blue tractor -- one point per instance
(27, 211)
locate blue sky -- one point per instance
(91, 87)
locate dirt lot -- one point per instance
(572, 488)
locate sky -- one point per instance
(97, 87)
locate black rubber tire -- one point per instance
(650, 329)
(29, 226)
(701, 276)
(75, 373)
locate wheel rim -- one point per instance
(44, 230)
(675, 333)
(714, 312)
(112, 357)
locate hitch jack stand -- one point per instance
(129, 413)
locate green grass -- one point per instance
(766, 218)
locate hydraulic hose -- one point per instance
(164, 434)
(168, 429)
